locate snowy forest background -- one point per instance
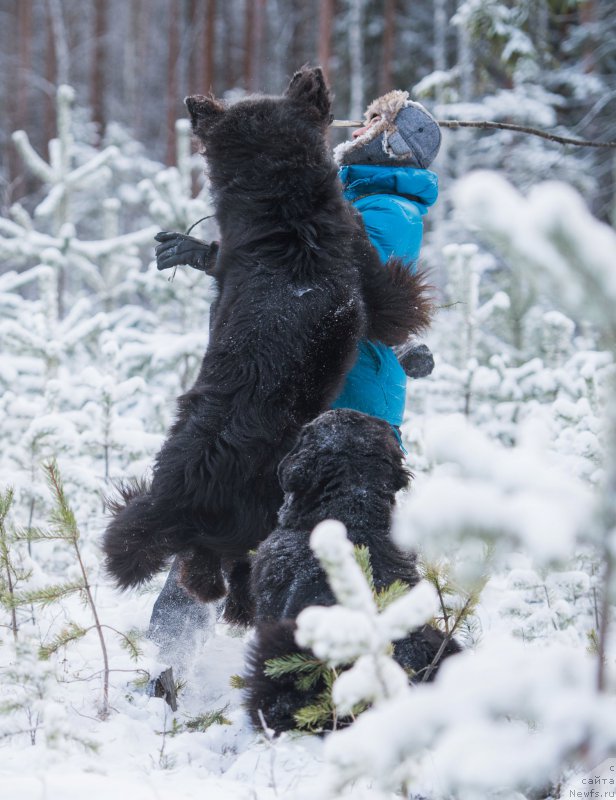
(512, 439)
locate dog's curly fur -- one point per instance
(347, 466)
(299, 285)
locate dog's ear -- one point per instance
(293, 471)
(308, 87)
(203, 110)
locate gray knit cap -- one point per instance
(406, 133)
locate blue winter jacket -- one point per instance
(392, 202)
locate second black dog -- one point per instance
(346, 466)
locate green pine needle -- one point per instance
(47, 595)
(69, 634)
(35, 534)
(287, 665)
(6, 501)
(237, 682)
(202, 722)
(316, 716)
(390, 593)
(130, 642)
(62, 517)
(362, 556)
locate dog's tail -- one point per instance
(269, 700)
(399, 302)
(135, 546)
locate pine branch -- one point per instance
(35, 534)
(362, 556)
(47, 595)
(128, 641)
(315, 716)
(69, 634)
(62, 516)
(287, 665)
(6, 598)
(387, 595)
(204, 721)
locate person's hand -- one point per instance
(176, 249)
(416, 360)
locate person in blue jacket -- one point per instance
(384, 174)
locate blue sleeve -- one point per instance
(394, 225)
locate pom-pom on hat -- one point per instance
(405, 133)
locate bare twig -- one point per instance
(447, 638)
(490, 125)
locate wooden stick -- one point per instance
(485, 125)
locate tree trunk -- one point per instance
(465, 67)
(440, 35)
(249, 54)
(209, 44)
(356, 57)
(24, 8)
(49, 126)
(172, 82)
(259, 35)
(326, 19)
(588, 15)
(389, 44)
(97, 86)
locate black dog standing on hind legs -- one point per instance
(299, 284)
(346, 466)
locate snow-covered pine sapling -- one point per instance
(356, 631)
(11, 575)
(310, 671)
(64, 528)
(458, 605)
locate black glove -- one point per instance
(416, 360)
(176, 249)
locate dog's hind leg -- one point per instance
(201, 574)
(239, 603)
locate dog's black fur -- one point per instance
(299, 284)
(347, 466)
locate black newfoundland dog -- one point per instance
(346, 466)
(299, 284)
